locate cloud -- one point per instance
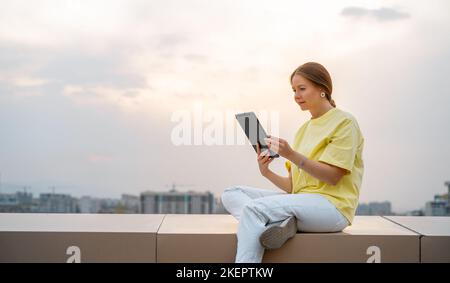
(98, 158)
(31, 71)
(197, 58)
(382, 14)
(171, 40)
(78, 67)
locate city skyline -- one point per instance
(437, 207)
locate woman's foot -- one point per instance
(275, 236)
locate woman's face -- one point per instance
(307, 95)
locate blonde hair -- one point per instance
(319, 76)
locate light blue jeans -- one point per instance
(257, 209)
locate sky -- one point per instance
(88, 90)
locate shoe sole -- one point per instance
(274, 237)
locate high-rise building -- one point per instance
(440, 205)
(110, 205)
(89, 204)
(130, 204)
(374, 208)
(126, 204)
(436, 208)
(17, 202)
(57, 203)
(174, 202)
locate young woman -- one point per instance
(325, 173)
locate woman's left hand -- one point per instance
(279, 146)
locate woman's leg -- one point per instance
(314, 213)
(236, 197)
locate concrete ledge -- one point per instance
(197, 238)
(212, 238)
(369, 239)
(435, 235)
(207, 238)
(78, 237)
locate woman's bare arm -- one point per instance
(323, 171)
(283, 183)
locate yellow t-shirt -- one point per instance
(333, 138)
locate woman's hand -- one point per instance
(279, 146)
(264, 160)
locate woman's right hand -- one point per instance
(264, 160)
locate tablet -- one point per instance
(254, 131)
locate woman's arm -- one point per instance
(283, 183)
(327, 173)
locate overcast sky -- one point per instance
(88, 89)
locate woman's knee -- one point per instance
(228, 193)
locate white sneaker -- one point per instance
(275, 236)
